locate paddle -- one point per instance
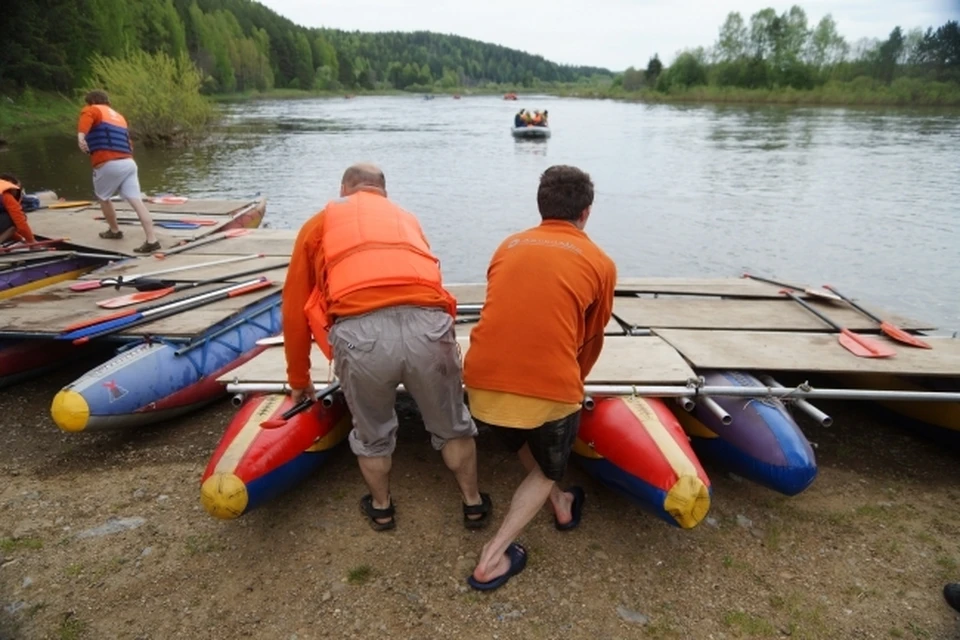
(89, 322)
(816, 293)
(232, 233)
(891, 330)
(164, 224)
(301, 406)
(146, 296)
(854, 343)
(130, 320)
(194, 221)
(88, 285)
(27, 246)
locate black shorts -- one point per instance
(550, 443)
(5, 221)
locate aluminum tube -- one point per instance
(237, 399)
(716, 410)
(686, 403)
(681, 391)
(589, 403)
(822, 418)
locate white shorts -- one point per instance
(116, 175)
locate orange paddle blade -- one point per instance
(900, 335)
(92, 321)
(863, 346)
(134, 298)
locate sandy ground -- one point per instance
(863, 553)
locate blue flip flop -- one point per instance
(518, 560)
(576, 510)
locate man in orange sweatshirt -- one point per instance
(13, 221)
(363, 283)
(549, 298)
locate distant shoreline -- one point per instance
(46, 109)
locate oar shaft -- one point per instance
(854, 304)
(812, 310)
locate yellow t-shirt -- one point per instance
(511, 410)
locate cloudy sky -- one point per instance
(607, 33)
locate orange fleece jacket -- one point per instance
(15, 211)
(89, 117)
(307, 270)
(549, 298)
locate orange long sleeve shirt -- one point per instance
(23, 231)
(307, 270)
(549, 299)
(89, 117)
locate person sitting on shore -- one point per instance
(13, 221)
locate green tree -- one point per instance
(734, 38)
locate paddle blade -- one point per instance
(86, 285)
(134, 298)
(89, 322)
(863, 346)
(900, 335)
(820, 294)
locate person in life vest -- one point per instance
(103, 133)
(549, 297)
(363, 284)
(13, 221)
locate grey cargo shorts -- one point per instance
(415, 346)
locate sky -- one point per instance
(613, 34)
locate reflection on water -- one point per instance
(865, 199)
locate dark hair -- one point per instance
(97, 97)
(9, 177)
(564, 193)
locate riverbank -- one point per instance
(903, 92)
(33, 109)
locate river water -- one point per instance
(864, 199)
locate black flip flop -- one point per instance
(576, 510)
(518, 560)
(484, 509)
(367, 509)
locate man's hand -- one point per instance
(298, 395)
(82, 143)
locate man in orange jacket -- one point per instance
(549, 298)
(13, 221)
(364, 285)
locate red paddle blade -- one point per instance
(864, 347)
(134, 298)
(273, 423)
(900, 335)
(86, 285)
(92, 321)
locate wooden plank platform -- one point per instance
(641, 360)
(747, 315)
(83, 231)
(710, 287)
(273, 242)
(150, 264)
(734, 287)
(49, 310)
(805, 352)
(199, 207)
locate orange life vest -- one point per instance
(9, 186)
(369, 242)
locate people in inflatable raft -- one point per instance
(526, 119)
